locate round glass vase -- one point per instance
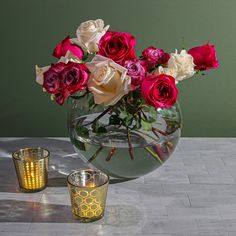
(111, 151)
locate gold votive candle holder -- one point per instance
(31, 166)
(88, 191)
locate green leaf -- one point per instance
(101, 129)
(98, 128)
(123, 114)
(95, 126)
(91, 103)
(153, 113)
(114, 120)
(85, 57)
(137, 122)
(146, 125)
(79, 145)
(82, 131)
(128, 120)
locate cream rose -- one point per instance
(108, 80)
(89, 34)
(180, 66)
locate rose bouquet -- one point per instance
(102, 66)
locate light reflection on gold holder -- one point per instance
(88, 191)
(31, 166)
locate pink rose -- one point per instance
(159, 91)
(66, 45)
(154, 56)
(204, 57)
(63, 80)
(118, 46)
(137, 72)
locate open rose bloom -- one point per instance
(116, 77)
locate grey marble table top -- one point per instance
(192, 194)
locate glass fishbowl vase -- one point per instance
(116, 153)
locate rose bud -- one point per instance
(204, 57)
(66, 45)
(154, 56)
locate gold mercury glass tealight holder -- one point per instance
(31, 166)
(88, 191)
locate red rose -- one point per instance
(52, 82)
(153, 56)
(66, 45)
(118, 46)
(74, 77)
(159, 91)
(204, 57)
(63, 80)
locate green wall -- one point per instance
(30, 29)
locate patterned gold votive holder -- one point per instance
(31, 166)
(88, 191)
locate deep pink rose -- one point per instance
(74, 77)
(204, 57)
(63, 80)
(52, 82)
(66, 45)
(118, 46)
(137, 72)
(159, 91)
(154, 56)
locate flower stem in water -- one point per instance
(99, 117)
(95, 154)
(111, 153)
(153, 154)
(130, 145)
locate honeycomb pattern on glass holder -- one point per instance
(87, 203)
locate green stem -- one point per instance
(130, 144)
(153, 154)
(155, 133)
(159, 131)
(111, 153)
(95, 154)
(99, 117)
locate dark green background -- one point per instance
(30, 29)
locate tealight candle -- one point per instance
(31, 166)
(88, 190)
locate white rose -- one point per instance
(39, 73)
(89, 34)
(108, 80)
(180, 66)
(69, 57)
(168, 71)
